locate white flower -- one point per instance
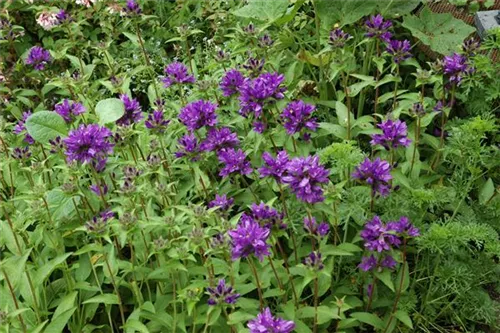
(47, 20)
(86, 3)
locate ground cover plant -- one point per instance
(247, 166)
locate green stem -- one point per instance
(400, 288)
(257, 282)
(14, 299)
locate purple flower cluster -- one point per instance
(21, 153)
(400, 50)
(21, 128)
(222, 201)
(219, 138)
(189, 147)
(177, 73)
(304, 176)
(249, 238)
(275, 168)
(235, 161)
(89, 144)
(231, 82)
(377, 174)
(222, 294)
(156, 122)
(69, 109)
(38, 58)
(254, 66)
(381, 238)
(98, 224)
(455, 67)
(314, 261)
(266, 323)
(297, 116)
(377, 27)
(266, 216)
(338, 38)
(254, 94)
(133, 111)
(470, 47)
(131, 8)
(314, 228)
(198, 114)
(394, 135)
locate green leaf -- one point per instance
(239, 317)
(325, 314)
(46, 125)
(404, 318)
(60, 205)
(369, 318)
(133, 38)
(386, 278)
(136, 326)
(441, 32)
(263, 10)
(406, 278)
(487, 191)
(66, 304)
(343, 12)
(334, 129)
(342, 113)
(58, 323)
(109, 110)
(44, 271)
(105, 298)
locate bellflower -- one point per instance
(305, 175)
(133, 111)
(21, 153)
(218, 139)
(38, 58)
(400, 50)
(275, 168)
(404, 227)
(314, 228)
(254, 66)
(377, 27)
(455, 67)
(470, 47)
(189, 147)
(249, 238)
(156, 122)
(131, 8)
(21, 128)
(265, 41)
(254, 94)
(266, 323)
(69, 109)
(56, 145)
(338, 38)
(266, 216)
(314, 261)
(235, 161)
(377, 174)
(222, 201)
(231, 82)
(379, 236)
(198, 114)
(177, 73)
(297, 115)
(394, 135)
(222, 294)
(88, 143)
(63, 16)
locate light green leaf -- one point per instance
(66, 304)
(133, 38)
(487, 191)
(343, 12)
(109, 110)
(61, 206)
(369, 318)
(105, 298)
(342, 113)
(239, 317)
(136, 326)
(46, 125)
(404, 318)
(325, 314)
(386, 278)
(58, 323)
(263, 10)
(45, 271)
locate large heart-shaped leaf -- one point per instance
(263, 10)
(441, 32)
(109, 110)
(46, 125)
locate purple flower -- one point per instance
(388, 262)
(56, 145)
(222, 201)
(394, 135)
(131, 8)
(378, 236)
(97, 190)
(259, 126)
(377, 174)
(266, 41)
(266, 216)
(266, 323)
(133, 111)
(234, 162)
(156, 122)
(404, 227)
(417, 109)
(275, 168)
(338, 38)
(314, 261)
(314, 228)
(400, 50)
(21, 153)
(88, 143)
(455, 67)
(254, 66)
(222, 294)
(231, 82)
(63, 17)
(378, 28)
(20, 127)
(249, 238)
(197, 114)
(69, 109)
(297, 116)
(177, 73)
(38, 58)
(98, 224)
(368, 263)
(254, 94)
(218, 139)
(218, 241)
(305, 175)
(188, 146)
(470, 47)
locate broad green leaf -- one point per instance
(58, 323)
(355, 89)
(109, 110)
(404, 318)
(105, 298)
(136, 326)
(334, 129)
(342, 113)
(46, 125)
(66, 304)
(132, 37)
(325, 314)
(263, 10)
(369, 318)
(487, 191)
(397, 8)
(239, 317)
(45, 271)
(343, 12)
(441, 32)
(61, 206)
(386, 277)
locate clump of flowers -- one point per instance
(275, 168)
(131, 8)
(455, 67)
(38, 57)
(156, 122)
(198, 114)
(305, 176)
(235, 161)
(99, 224)
(21, 153)
(400, 50)
(265, 322)
(88, 143)
(231, 82)
(177, 73)
(266, 216)
(297, 116)
(21, 128)
(338, 38)
(377, 27)
(314, 228)
(69, 110)
(219, 138)
(256, 93)
(377, 174)
(222, 294)
(47, 20)
(189, 147)
(394, 135)
(249, 238)
(133, 111)
(222, 202)
(314, 261)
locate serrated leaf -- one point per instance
(109, 110)
(46, 125)
(369, 318)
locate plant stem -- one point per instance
(257, 282)
(280, 285)
(395, 89)
(14, 299)
(315, 327)
(115, 287)
(317, 22)
(398, 293)
(146, 59)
